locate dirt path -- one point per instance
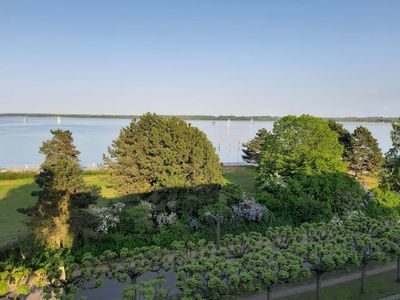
(280, 292)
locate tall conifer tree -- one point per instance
(62, 192)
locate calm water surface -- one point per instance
(21, 139)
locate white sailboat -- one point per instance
(25, 120)
(58, 121)
(251, 121)
(228, 123)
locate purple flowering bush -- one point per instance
(249, 210)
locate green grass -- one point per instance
(376, 287)
(16, 193)
(244, 176)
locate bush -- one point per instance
(178, 231)
(136, 220)
(4, 289)
(314, 198)
(22, 289)
(383, 203)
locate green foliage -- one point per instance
(252, 149)
(8, 175)
(4, 289)
(149, 289)
(391, 166)
(383, 203)
(366, 157)
(156, 153)
(136, 220)
(300, 145)
(344, 137)
(312, 198)
(62, 192)
(22, 289)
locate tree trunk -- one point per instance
(398, 269)
(218, 233)
(318, 278)
(269, 289)
(362, 289)
(133, 279)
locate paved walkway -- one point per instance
(281, 292)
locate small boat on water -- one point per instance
(228, 123)
(58, 121)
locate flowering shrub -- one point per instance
(165, 218)
(107, 217)
(249, 210)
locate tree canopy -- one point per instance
(391, 165)
(344, 137)
(253, 148)
(300, 145)
(155, 153)
(62, 191)
(366, 157)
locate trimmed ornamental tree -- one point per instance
(253, 148)
(368, 238)
(300, 145)
(324, 257)
(365, 157)
(267, 268)
(391, 166)
(158, 153)
(62, 193)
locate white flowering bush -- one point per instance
(249, 210)
(107, 217)
(165, 218)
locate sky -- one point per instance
(214, 57)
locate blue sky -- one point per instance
(270, 57)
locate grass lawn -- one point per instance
(376, 287)
(243, 176)
(14, 194)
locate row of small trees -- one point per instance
(244, 263)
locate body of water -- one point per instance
(21, 138)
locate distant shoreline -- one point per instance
(200, 117)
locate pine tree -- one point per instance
(62, 192)
(157, 153)
(252, 149)
(366, 157)
(344, 138)
(391, 165)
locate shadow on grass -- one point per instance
(17, 195)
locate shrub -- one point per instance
(314, 198)
(4, 289)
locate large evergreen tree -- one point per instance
(344, 137)
(156, 153)
(391, 165)
(62, 192)
(366, 157)
(252, 149)
(300, 145)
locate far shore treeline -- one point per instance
(375, 119)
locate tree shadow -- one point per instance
(13, 224)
